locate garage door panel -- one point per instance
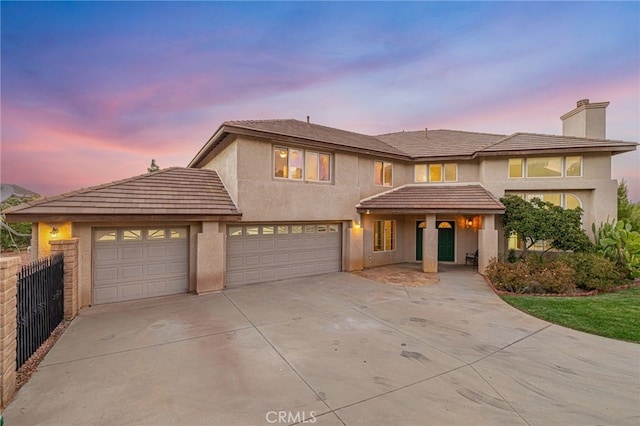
(252, 246)
(107, 294)
(130, 253)
(180, 268)
(135, 271)
(107, 254)
(107, 274)
(257, 258)
(156, 269)
(131, 291)
(157, 251)
(128, 270)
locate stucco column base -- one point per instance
(354, 250)
(210, 261)
(487, 242)
(8, 327)
(430, 245)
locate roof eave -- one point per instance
(406, 211)
(110, 218)
(612, 149)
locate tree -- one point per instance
(536, 220)
(154, 167)
(628, 211)
(21, 235)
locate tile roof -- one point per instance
(428, 198)
(440, 143)
(529, 142)
(317, 133)
(172, 192)
(409, 146)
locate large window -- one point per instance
(536, 167)
(383, 173)
(384, 235)
(562, 199)
(299, 164)
(447, 172)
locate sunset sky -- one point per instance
(92, 91)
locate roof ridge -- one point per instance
(446, 130)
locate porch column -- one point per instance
(354, 254)
(430, 244)
(487, 241)
(210, 258)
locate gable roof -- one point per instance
(175, 193)
(427, 198)
(407, 146)
(290, 130)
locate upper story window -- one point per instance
(447, 172)
(301, 164)
(383, 173)
(535, 167)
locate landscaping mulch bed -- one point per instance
(578, 293)
(31, 365)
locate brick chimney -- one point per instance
(587, 120)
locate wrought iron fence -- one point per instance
(40, 304)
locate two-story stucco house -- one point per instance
(272, 199)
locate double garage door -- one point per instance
(136, 263)
(257, 253)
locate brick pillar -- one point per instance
(70, 250)
(8, 325)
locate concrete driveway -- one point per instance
(330, 350)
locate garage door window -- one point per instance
(156, 234)
(235, 231)
(283, 230)
(106, 235)
(132, 235)
(309, 229)
(333, 228)
(252, 230)
(267, 230)
(296, 229)
(178, 234)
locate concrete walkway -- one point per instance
(330, 350)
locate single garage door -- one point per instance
(135, 263)
(258, 253)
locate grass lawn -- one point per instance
(615, 315)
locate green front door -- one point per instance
(446, 241)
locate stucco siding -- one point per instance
(226, 164)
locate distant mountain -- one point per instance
(8, 190)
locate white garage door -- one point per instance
(258, 253)
(135, 263)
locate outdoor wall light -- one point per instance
(356, 225)
(469, 223)
(54, 232)
(367, 212)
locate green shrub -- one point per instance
(591, 271)
(619, 243)
(534, 275)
